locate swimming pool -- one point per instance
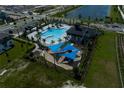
(68, 46)
(54, 34)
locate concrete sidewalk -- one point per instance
(51, 59)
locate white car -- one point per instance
(123, 30)
(11, 23)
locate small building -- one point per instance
(82, 34)
(6, 42)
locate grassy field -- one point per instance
(35, 75)
(115, 15)
(24, 73)
(103, 71)
(16, 52)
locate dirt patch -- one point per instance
(71, 84)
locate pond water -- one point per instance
(92, 11)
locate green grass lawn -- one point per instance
(16, 52)
(103, 71)
(115, 15)
(35, 75)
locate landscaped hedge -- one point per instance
(22, 40)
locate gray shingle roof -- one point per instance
(84, 30)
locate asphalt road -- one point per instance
(110, 27)
(21, 24)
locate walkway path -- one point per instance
(36, 48)
(51, 59)
(110, 27)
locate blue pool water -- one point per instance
(56, 48)
(54, 34)
(92, 11)
(71, 55)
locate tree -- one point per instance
(52, 41)
(65, 37)
(76, 73)
(10, 32)
(96, 19)
(70, 21)
(79, 16)
(7, 55)
(82, 21)
(32, 38)
(89, 19)
(32, 18)
(111, 19)
(22, 45)
(25, 33)
(117, 19)
(107, 19)
(27, 43)
(44, 40)
(38, 35)
(25, 22)
(60, 40)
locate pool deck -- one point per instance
(48, 57)
(51, 59)
(44, 29)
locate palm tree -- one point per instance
(32, 38)
(25, 33)
(73, 21)
(37, 28)
(25, 21)
(117, 19)
(38, 35)
(82, 21)
(7, 55)
(10, 32)
(96, 19)
(79, 16)
(52, 41)
(32, 18)
(27, 44)
(66, 37)
(59, 39)
(89, 20)
(22, 45)
(76, 72)
(111, 19)
(44, 40)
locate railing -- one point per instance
(120, 56)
